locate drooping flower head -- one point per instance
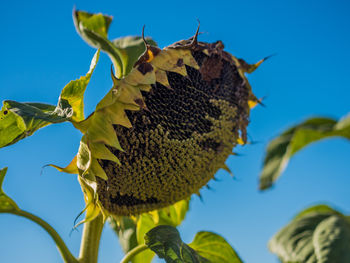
(164, 130)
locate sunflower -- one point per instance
(165, 128)
(167, 125)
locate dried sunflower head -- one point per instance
(167, 125)
(163, 130)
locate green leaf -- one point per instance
(134, 47)
(144, 224)
(281, 149)
(332, 240)
(6, 203)
(166, 242)
(123, 52)
(172, 215)
(320, 209)
(314, 237)
(97, 23)
(20, 120)
(214, 248)
(132, 234)
(72, 95)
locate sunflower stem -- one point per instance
(90, 240)
(133, 253)
(61, 246)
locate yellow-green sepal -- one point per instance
(88, 166)
(71, 168)
(92, 208)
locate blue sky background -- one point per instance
(41, 52)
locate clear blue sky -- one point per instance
(41, 52)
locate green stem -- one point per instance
(62, 248)
(133, 253)
(90, 240)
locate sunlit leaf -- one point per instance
(20, 120)
(124, 52)
(144, 224)
(172, 215)
(320, 209)
(6, 203)
(93, 28)
(133, 46)
(166, 242)
(73, 92)
(316, 235)
(132, 233)
(281, 149)
(214, 248)
(97, 23)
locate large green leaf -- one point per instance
(332, 240)
(214, 248)
(124, 52)
(166, 242)
(314, 236)
(281, 149)
(20, 120)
